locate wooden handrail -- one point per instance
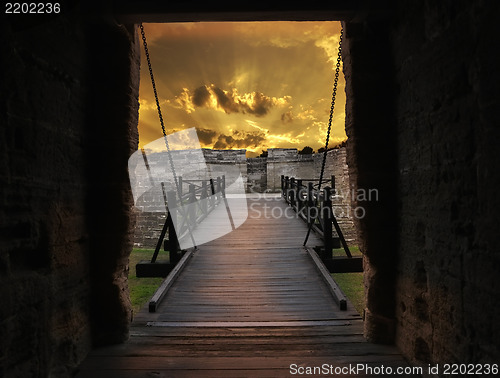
(314, 207)
(195, 214)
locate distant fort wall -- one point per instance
(262, 174)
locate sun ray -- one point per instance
(255, 82)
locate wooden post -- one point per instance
(203, 197)
(191, 213)
(283, 186)
(310, 202)
(164, 195)
(285, 191)
(219, 188)
(173, 243)
(291, 192)
(212, 189)
(160, 239)
(179, 182)
(341, 237)
(299, 199)
(226, 204)
(326, 215)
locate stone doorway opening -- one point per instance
(361, 185)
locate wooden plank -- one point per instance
(332, 285)
(201, 364)
(348, 344)
(355, 328)
(248, 304)
(167, 283)
(218, 348)
(251, 324)
(233, 343)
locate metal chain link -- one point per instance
(160, 116)
(178, 188)
(332, 107)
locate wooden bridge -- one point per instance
(254, 303)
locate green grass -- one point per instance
(351, 283)
(340, 251)
(142, 289)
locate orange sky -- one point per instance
(252, 85)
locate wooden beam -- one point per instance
(172, 276)
(253, 324)
(136, 11)
(335, 290)
(341, 264)
(159, 268)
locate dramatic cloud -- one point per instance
(330, 45)
(286, 138)
(252, 85)
(240, 139)
(185, 101)
(206, 136)
(200, 97)
(228, 101)
(287, 117)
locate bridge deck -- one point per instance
(248, 304)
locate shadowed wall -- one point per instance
(422, 120)
(68, 115)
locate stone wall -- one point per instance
(44, 265)
(448, 136)
(64, 198)
(422, 121)
(111, 137)
(257, 174)
(287, 161)
(148, 226)
(372, 159)
(229, 163)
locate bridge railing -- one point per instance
(200, 198)
(315, 207)
(187, 207)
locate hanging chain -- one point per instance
(332, 107)
(178, 188)
(160, 116)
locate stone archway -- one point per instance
(69, 92)
(371, 157)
